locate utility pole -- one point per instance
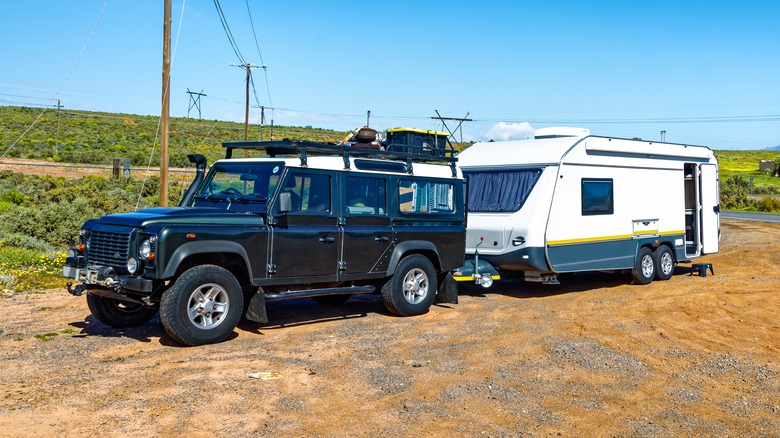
(248, 68)
(194, 101)
(165, 122)
(460, 121)
(262, 121)
(57, 134)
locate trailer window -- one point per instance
(499, 191)
(597, 197)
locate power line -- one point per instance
(265, 70)
(67, 77)
(228, 33)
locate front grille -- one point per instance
(108, 248)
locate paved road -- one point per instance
(751, 216)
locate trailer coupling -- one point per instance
(476, 270)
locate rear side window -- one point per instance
(365, 196)
(426, 197)
(597, 196)
(500, 191)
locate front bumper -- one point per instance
(105, 278)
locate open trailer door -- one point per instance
(710, 208)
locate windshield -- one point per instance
(243, 187)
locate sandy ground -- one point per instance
(691, 356)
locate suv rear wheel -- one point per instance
(203, 306)
(412, 289)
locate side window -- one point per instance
(309, 193)
(366, 196)
(597, 197)
(426, 197)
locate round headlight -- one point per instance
(146, 249)
(132, 265)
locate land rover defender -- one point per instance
(304, 219)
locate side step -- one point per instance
(308, 293)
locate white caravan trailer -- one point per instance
(563, 204)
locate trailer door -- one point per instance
(710, 208)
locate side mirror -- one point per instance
(285, 202)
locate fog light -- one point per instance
(132, 265)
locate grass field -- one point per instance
(745, 163)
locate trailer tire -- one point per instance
(412, 289)
(644, 267)
(118, 314)
(664, 263)
(203, 306)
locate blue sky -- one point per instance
(706, 72)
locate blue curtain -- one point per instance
(498, 191)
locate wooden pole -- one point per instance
(165, 122)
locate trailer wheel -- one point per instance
(412, 289)
(664, 263)
(203, 306)
(118, 314)
(644, 267)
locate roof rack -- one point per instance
(303, 148)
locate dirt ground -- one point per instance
(596, 356)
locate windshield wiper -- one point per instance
(251, 197)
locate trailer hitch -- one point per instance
(485, 280)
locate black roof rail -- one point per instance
(303, 148)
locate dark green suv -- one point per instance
(304, 220)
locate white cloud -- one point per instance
(509, 131)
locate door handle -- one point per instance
(381, 239)
(327, 240)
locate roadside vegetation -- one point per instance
(40, 215)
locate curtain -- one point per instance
(497, 191)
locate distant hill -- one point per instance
(776, 148)
(98, 138)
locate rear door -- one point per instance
(710, 208)
(368, 232)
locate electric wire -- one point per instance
(262, 62)
(228, 33)
(65, 81)
(166, 90)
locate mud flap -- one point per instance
(256, 311)
(448, 290)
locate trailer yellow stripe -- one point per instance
(604, 238)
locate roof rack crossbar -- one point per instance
(303, 148)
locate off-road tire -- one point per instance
(203, 306)
(412, 289)
(664, 263)
(118, 314)
(644, 267)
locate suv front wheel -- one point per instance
(203, 306)
(412, 289)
